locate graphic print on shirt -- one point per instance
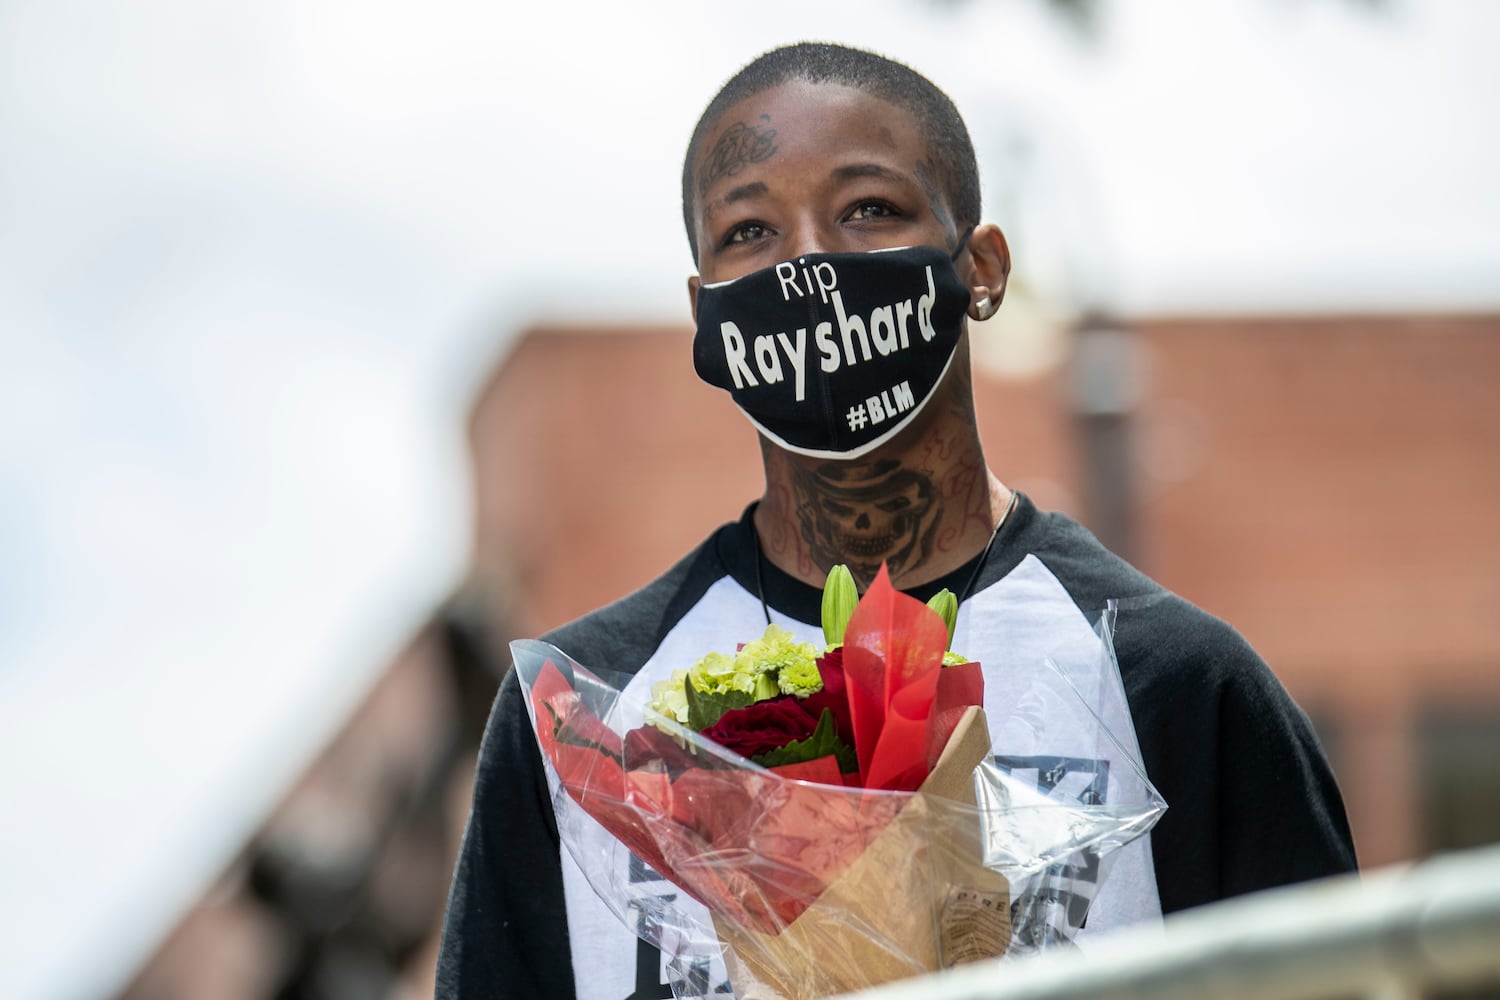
(653, 973)
(650, 984)
(1056, 910)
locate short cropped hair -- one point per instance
(948, 142)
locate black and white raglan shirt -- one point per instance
(1252, 803)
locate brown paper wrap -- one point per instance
(905, 907)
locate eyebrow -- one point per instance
(742, 193)
(854, 171)
(848, 172)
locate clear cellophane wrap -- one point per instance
(795, 888)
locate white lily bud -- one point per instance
(946, 605)
(839, 599)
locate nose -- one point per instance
(809, 236)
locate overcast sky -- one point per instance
(255, 257)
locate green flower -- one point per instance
(717, 673)
(800, 678)
(774, 654)
(669, 697)
(774, 664)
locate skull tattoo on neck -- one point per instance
(866, 513)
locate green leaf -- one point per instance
(705, 709)
(823, 742)
(765, 687)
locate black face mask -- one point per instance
(830, 355)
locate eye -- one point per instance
(871, 209)
(745, 232)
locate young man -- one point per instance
(850, 358)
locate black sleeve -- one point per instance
(1280, 813)
(505, 933)
(1252, 803)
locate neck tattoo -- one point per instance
(984, 557)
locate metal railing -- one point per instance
(1382, 935)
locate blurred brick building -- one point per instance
(1327, 485)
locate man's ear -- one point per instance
(694, 282)
(990, 257)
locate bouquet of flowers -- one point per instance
(873, 712)
(819, 807)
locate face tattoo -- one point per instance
(830, 355)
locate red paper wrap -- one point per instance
(904, 704)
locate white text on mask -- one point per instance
(887, 329)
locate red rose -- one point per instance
(763, 726)
(833, 696)
(648, 748)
